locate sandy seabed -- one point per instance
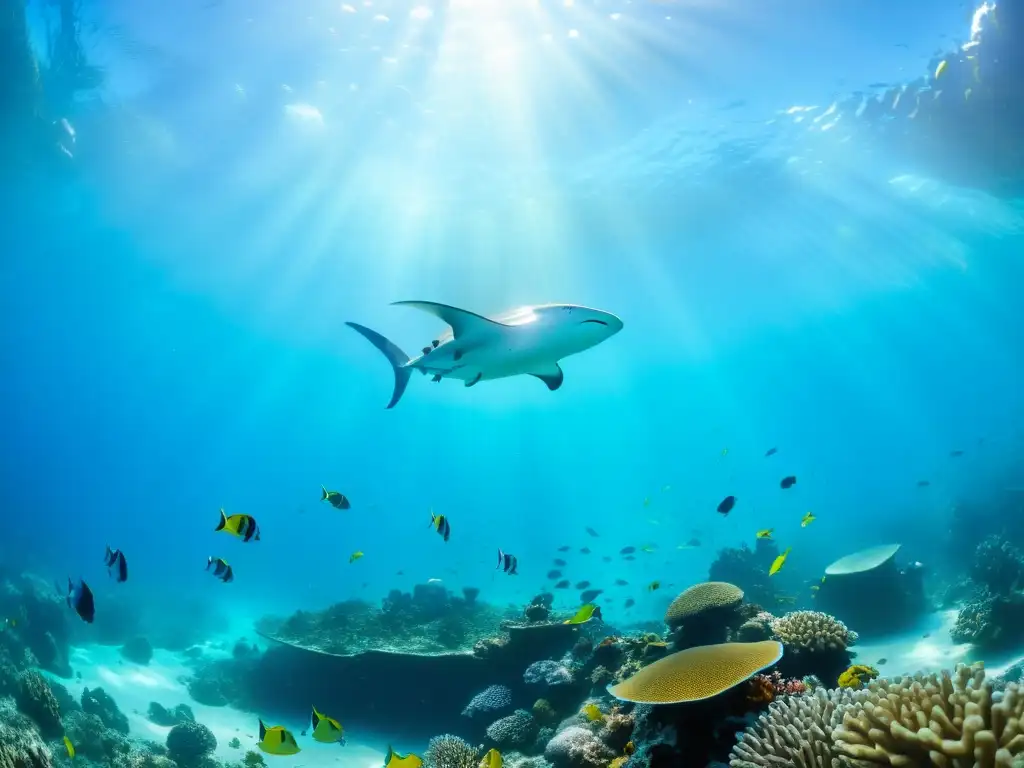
(134, 686)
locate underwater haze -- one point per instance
(812, 283)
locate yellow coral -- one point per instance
(943, 720)
(854, 676)
(697, 673)
(700, 598)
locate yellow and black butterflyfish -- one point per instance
(440, 524)
(394, 760)
(69, 747)
(277, 740)
(242, 526)
(491, 760)
(327, 730)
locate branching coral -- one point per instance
(937, 719)
(489, 702)
(795, 731)
(812, 631)
(449, 751)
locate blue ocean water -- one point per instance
(250, 176)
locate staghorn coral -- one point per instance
(517, 731)
(490, 701)
(449, 751)
(697, 673)
(795, 731)
(189, 742)
(812, 631)
(35, 698)
(936, 719)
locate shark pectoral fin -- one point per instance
(437, 378)
(461, 321)
(475, 379)
(553, 378)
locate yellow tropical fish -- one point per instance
(765, 533)
(807, 519)
(653, 586)
(327, 730)
(585, 614)
(943, 65)
(592, 712)
(492, 759)
(779, 562)
(394, 760)
(629, 749)
(855, 676)
(69, 747)
(277, 740)
(355, 556)
(242, 526)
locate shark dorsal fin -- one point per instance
(461, 321)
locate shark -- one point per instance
(529, 340)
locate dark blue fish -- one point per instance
(554, 574)
(725, 507)
(787, 482)
(117, 566)
(560, 561)
(80, 598)
(589, 595)
(510, 562)
(770, 452)
(592, 532)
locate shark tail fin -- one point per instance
(395, 356)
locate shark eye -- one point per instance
(599, 322)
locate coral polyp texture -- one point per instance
(795, 731)
(812, 631)
(449, 751)
(699, 598)
(697, 673)
(936, 719)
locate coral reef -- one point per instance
(489, 702)
(577, 747)
(816, 644)
(160, 715)
(42, 634)
(517, 731)
(897, 594)
(189, 742)
(449, 751)
(698, 673)
(748, 569)
(22, 748)
(138, 650)
(547, 674)
(93, 739)
(704, 614)
(99, 703)
(429, 621)
(766, 688)
(35, 698)
(992, 617)
(539, 608)
(795, 731)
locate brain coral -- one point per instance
(492, 699)
(697, 673)
(188, 742)
(812, 631)
(515, 731)
(795, 731)
(449, 751)
(937, 719)
(700, 598)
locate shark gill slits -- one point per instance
(592, 320)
